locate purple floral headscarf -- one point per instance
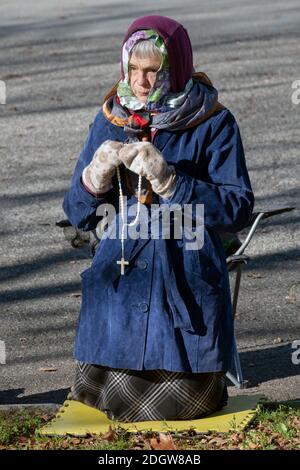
(159, 92)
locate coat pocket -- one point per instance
(203, 268)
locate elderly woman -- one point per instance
(155, 334)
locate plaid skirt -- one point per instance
(131, 396)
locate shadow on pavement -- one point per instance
(53, 396)
(263, 365)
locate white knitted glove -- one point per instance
(98, 174)
(146, 160)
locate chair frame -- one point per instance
(235, 263)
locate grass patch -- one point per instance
(17, 425)
(275, 426)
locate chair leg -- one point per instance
(236, 289)
(237, 380)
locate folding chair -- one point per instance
(236, 259)
(234, 248)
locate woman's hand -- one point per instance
(98, 174)
(146, 160)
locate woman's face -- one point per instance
(142, 75)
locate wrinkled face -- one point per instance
(142, 75)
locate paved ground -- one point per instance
(58, 58)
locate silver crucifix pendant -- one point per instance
(122, 262)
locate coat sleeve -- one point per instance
(79, 204)
(225, 191)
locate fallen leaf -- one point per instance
(255, 275)
(218, 441)
(46, 417)
(65, 444)
(291, 299)
(44, 445)
(282, 443)
(277, 340)
(138, 442)
(236, 438)
(110, 436)
(11, 76)
(162, 442)
(75, 441)
(253, 446)
(47, 369)
(295, 422)
(262, 427)
(75, 294)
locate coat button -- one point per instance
(142, 264)
(144, 307)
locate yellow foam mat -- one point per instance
(75, 418)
